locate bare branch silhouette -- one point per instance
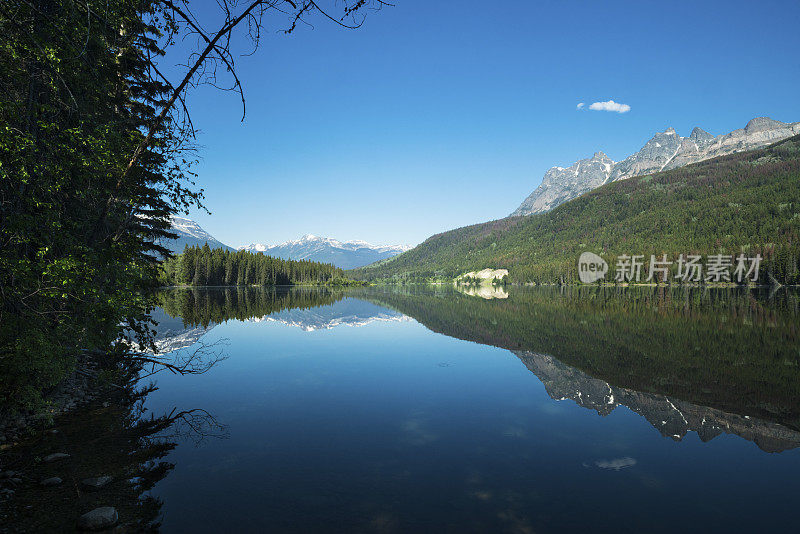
(214, 51)
(182, 361)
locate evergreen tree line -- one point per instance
(202, 266)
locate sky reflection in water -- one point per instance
(353, 416)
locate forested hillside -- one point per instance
(747, 202)
(220, 267)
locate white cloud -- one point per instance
(610, 106)
(616, 464)
(580, 105)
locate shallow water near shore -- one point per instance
(424, 409)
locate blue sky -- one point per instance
(436, 115)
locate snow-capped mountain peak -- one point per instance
(344, 254)
(188, 227)
(190, 233)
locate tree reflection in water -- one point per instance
(115, 438)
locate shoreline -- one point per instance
(353, 283)
(79, 388)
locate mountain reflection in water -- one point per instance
(672, 417)
(654, 350)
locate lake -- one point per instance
(526, 410)
(426, 409)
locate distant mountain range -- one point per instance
(666, 150)
(481, 246)
(190, 233)
(344, 254)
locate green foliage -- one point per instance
(220, 267)
(743, 202)
(77, 243)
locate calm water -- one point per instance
(422, 409)
(540, 410)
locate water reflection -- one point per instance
(207, 307)
(712, 362)
(673, 418)
(173, 333)
(732, 350)
(484, 291)
(115, 441)
(348, 312)
(391, 427)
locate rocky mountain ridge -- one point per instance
(665, 150)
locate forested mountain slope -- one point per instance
(748, 201)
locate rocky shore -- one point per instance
(33, 463)
(76, 390)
